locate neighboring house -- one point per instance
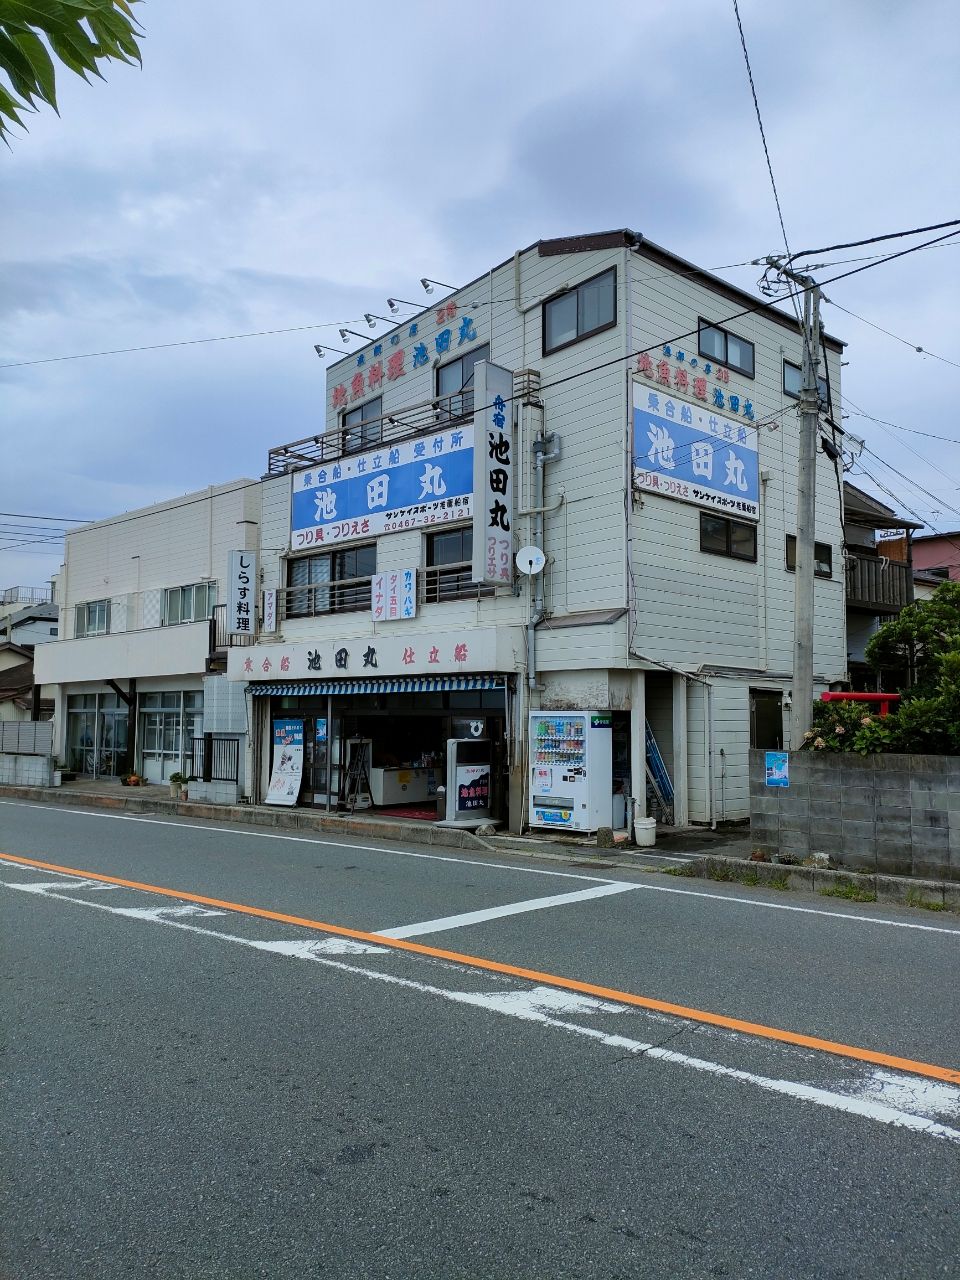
(31, 625)
(645, 439)
(138, 663)
(879, 574)
(16, 685)
(938, 554)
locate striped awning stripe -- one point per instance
(396, 684)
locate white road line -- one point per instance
(760, 904)
(534, 1005)
(332, 844)
(443, 923)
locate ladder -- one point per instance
(658, 777)
(358, 780)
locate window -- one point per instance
(334, 582)
(93, 618)
(449, 572)
(361, 428)
(822, 557)
(725, 348)
(721, 536)
(793, 382)
(455, 380)
(589, 308)
(189, 604)
(54, 631)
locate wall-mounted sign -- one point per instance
(269, 621)
(493, 468)
(393, 595)
(692, 453)
(388, 360)
(776, 767)
(422, 481)
(242, 591)
(692, 376)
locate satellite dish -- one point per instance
(531, 560)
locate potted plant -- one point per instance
(176, 781)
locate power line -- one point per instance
(892, 235)
(763, 136)
(20, 515)
(915, 431)
(880, 329)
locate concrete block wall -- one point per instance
(894, 814)
(27, 771)
(214, 792)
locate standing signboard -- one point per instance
(241, 591)
(493, 474)
(287, 762)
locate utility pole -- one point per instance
(802, 704)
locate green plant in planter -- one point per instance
(178, 779)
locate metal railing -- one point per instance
(444, 411)
(877, 585)
(220, 637)
(214, 759)
(348, 595)
(26, 595)
(451, 582)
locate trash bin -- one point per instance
(644, 828)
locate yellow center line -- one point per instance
(949, 1074)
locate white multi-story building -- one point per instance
(645, 438)
(138, 665)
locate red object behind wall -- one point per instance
(883, 700)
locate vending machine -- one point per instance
(571, 769)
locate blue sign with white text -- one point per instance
(693, 453)
(415, 482)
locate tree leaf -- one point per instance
(41, 63)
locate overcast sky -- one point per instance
(293, 164)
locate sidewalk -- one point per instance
(156, 799)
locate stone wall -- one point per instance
(26, 771)
(895, 814)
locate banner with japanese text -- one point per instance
(493, 471)
(422, 481)
(287, 762)
(242, 591)
(695, 454)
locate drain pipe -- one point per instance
(545, 449)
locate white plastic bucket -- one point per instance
(646, 831)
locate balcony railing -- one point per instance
(451, 582)
(26, 595)
(875, 585)
(431, 415)
(220, 638)
(347, 595)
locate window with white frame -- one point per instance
(189, 604)
(93, 618)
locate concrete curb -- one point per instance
(929, 895)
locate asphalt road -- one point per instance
(194, 1092)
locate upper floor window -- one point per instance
(455, 383)
(717, 344)
(721, 536)
(93, 618)
(822, 557)
(793, 384)
(189, 604)
(333, 582)
(449, 572)
(589, 308)
(361, 428)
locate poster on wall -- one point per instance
(776, 768)
(287, 762)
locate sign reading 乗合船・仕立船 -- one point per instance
(693, 453)
(411, 483)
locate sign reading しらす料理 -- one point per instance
(411, 483)
(242, 591)
(695, 454)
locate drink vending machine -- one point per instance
(571, 769)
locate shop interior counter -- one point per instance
(403, 786)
